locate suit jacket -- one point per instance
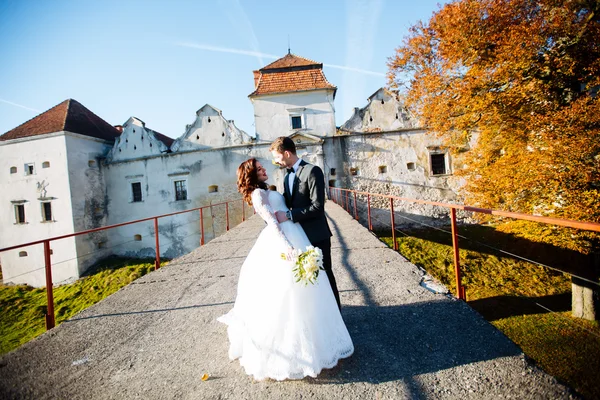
(306, 200)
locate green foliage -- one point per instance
(22, 308)
(565, 347)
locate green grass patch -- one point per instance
(22, 308)
(505, 291)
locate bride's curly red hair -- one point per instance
(247, 179)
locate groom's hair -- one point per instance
(283, 143)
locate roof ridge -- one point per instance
(64, 123)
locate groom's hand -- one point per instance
(280, 215)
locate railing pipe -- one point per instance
(50, 321)
(355, 208)
(157, 261)
(460, 293)
(369, 211)
(201, 227)
(393, 223)
(227, 217)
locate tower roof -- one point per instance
(291, 73)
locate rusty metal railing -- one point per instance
(342, 197)
(50, 317)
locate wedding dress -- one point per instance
(278, 328)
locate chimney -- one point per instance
(256, 78)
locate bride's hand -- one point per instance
(290, 254)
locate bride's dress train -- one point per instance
(278, 328)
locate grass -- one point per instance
(22, 308)
(507, 291)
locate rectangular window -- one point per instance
(20, 213)
(46, 211)
(180, 190)
(296, 122)
(136, 192)
(438, 164)
(29, 170)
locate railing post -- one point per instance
(355, 208)
(460, 293)
(369, 211)
(243, 211)
(157, 261)
(393, 223)
(227, 216)
(201, 227)
(50, 321)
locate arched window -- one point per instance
(213, 189)
(22, 254)
(46, 164)
(382, 169)
(13, 170)
(137, 238)
(91, 163)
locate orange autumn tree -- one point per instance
(520, 79)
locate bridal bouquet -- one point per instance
(306, 264)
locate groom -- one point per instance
(304, 192)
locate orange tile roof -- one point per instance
(291, 74)
(290, 60)
(70, 115)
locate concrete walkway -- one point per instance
(156, 337)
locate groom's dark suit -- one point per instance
(306, 200)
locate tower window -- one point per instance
(213, 189)
(46, 164)
(13, 170)
(296, 122)
(411, 166)
(382, 169)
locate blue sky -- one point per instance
(161, 61)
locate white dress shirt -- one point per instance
(292, 175)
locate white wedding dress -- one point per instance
(278, 328)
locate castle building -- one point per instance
(67, 170)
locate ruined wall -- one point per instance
(396, 163)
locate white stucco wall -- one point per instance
(14, 187)
(181, 233)
(85, 156)
(272, 114)
(210, 129)
(136, 142)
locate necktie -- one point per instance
(290, 170)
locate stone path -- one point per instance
(155, 338)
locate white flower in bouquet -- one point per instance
(306, 264)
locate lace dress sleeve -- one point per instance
(261, 204)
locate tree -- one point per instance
(521, 77)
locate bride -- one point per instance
(278, 328)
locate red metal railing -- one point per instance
(341, 197)
(50, 319)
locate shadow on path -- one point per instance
(399, 342)
(147, 311)
(364, 289)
